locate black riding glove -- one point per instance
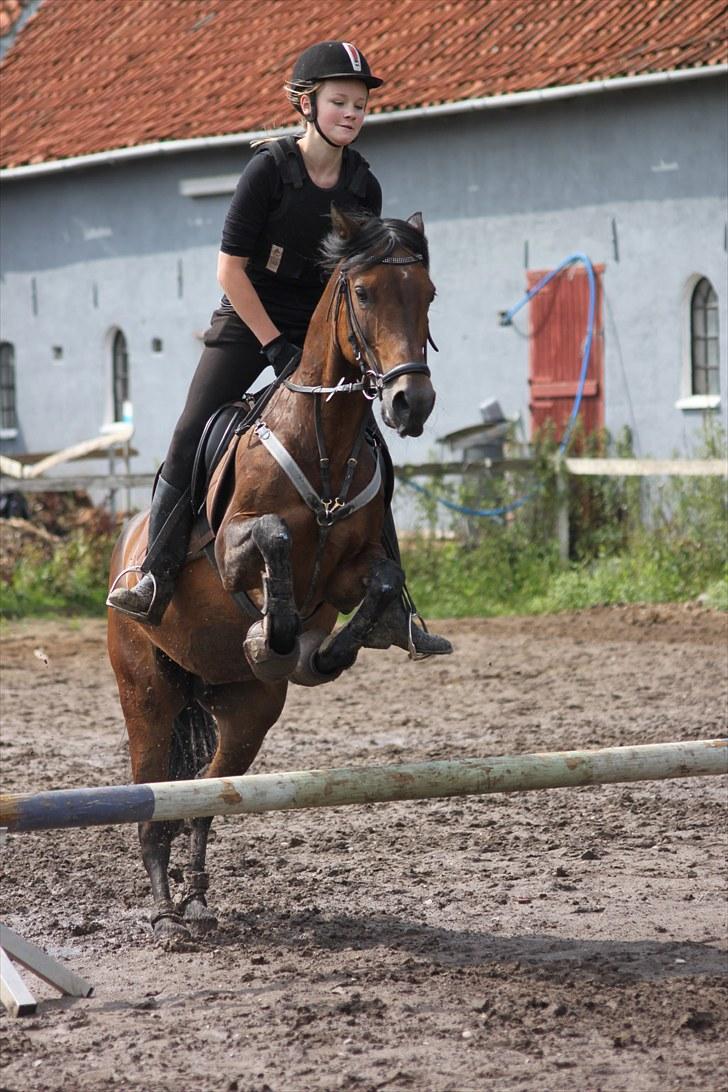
(280, 353)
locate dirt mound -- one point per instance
(48, 518)
(63, 513)
(21, 538)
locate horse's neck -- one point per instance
(322, 364)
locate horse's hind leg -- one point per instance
(243, 713)
(196, 737)
(156, 843)
(152, 694)
(339, 651)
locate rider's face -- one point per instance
(341, 109)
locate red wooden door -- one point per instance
(558, 329)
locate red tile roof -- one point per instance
(90, 75)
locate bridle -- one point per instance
(373, 375)
(374, 379)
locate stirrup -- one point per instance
(411, 650)
(133, 614)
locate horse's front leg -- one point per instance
(383, 585)
(193, 905)
(271, 646)
(243, 713)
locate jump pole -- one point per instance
(257, 793)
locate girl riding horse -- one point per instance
(268, 268)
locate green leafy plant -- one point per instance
(628, 542)
(71, 581)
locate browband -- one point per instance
(401, 261)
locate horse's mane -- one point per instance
(376, 239)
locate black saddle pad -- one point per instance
(214, 442)
(218, 432)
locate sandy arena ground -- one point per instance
(564, 940)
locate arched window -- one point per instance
(8, 407)
(119, 374)
(705, 375)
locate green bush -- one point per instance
(447, 580)
(628, 542)
(72, 581)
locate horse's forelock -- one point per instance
(376, 239)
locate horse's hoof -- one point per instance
(170, 933)
(306, 673)
(199, 917)
(267, 665)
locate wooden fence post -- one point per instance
(562, 507)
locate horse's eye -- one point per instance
(361, 294)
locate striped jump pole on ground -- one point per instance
(255, 793)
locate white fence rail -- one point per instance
(17, 477)
(21, 477)
(645, 468)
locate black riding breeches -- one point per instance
(229, 366)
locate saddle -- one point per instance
(212, 478)
(216, 446)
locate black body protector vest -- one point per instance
(276, 253)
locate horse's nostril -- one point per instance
(400, 407)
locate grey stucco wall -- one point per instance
(119, 247)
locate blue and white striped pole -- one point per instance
(256, 793)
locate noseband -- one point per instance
(374, 378)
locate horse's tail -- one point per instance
(194, 740)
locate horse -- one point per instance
(200, 691)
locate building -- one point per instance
(524, 133)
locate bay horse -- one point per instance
(200, 691)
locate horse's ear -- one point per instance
(343, 225)
(417, 222)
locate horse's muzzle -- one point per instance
(407, 404)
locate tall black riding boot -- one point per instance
(397, 625)
(170, 523)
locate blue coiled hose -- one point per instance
(505, 320)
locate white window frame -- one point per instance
(688, 400)
(10, 432)
(111, 422)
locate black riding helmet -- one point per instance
(333, 61)
(327, 61)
